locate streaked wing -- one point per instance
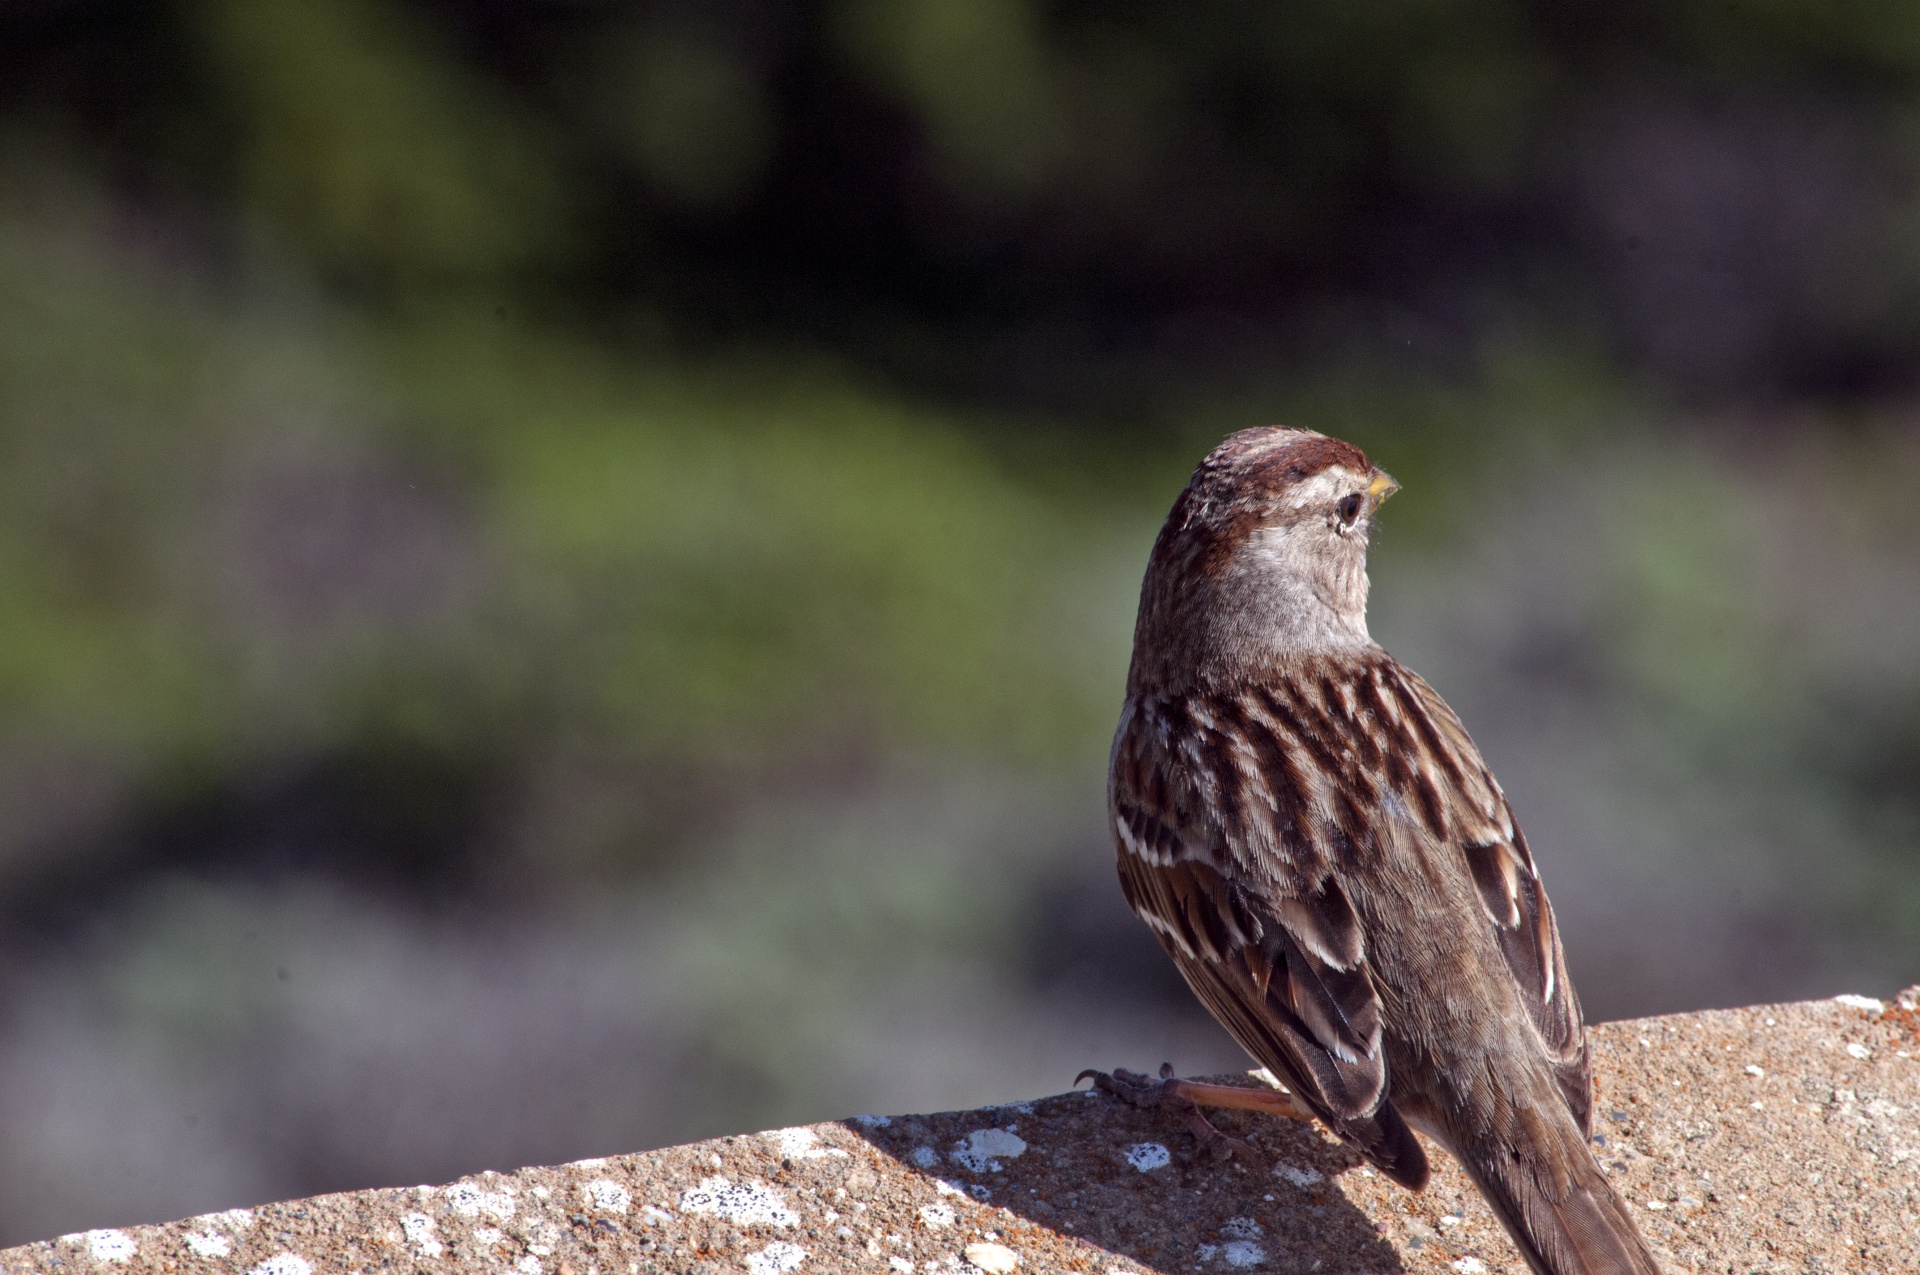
(1279, 963)
(1315, 1024)
(1236, 818)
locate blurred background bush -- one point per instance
(566, 567)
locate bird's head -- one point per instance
(1264, 556)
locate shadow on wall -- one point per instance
(1145, 1189)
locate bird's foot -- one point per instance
(1190, 1096)
(1137, 1090)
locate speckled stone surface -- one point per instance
(1777, 1138)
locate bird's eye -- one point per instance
(1350, 506)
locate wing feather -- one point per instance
(1514, 898)
(1234, 818)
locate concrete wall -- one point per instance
(1776, 1138)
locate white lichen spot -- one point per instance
(528, 1266)
(982, 1150)
(1754, 1071)
(799, 1143)
(1658, 1206)
(110, 1246)
(1148, 1156)
(901, 1264)
(596, 1162)
(607, 1195)
(1867, 1003)
(873, 1122)
(418, 1228)
(542, 1193)
(1024, 1108)
(776, 1259)
(1470, 1266)
(486, 1234)
(1449, 1220)
(943, 1187)
(1300, 1177)
(1207, 1252)
(1240, 1228)
(209, 1243)
(994, 1259)
(924, 1157)
(748, 1204)
(1857, 1050)
(979, 1192)
(1243, 1253)
(232, 1219)
(284, 1264)
(468, 1200)
(937, 1215)
(654, 1215)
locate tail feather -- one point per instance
(1577, 1226)
(1385, 1139)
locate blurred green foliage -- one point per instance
(352, 131)
(837, 166)
(618, 409)
(979, 78)
(237, 542)
(687, 109)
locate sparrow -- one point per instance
(1312, 836)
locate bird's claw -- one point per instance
(1138, 1090)
(1135, 1089)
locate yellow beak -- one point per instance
(1381, 487)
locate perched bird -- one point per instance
(1310, 833)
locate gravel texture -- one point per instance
(1777, 1138)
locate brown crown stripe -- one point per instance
(1275, 453)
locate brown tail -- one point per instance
(1565, 1222)
(1385, 1139)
